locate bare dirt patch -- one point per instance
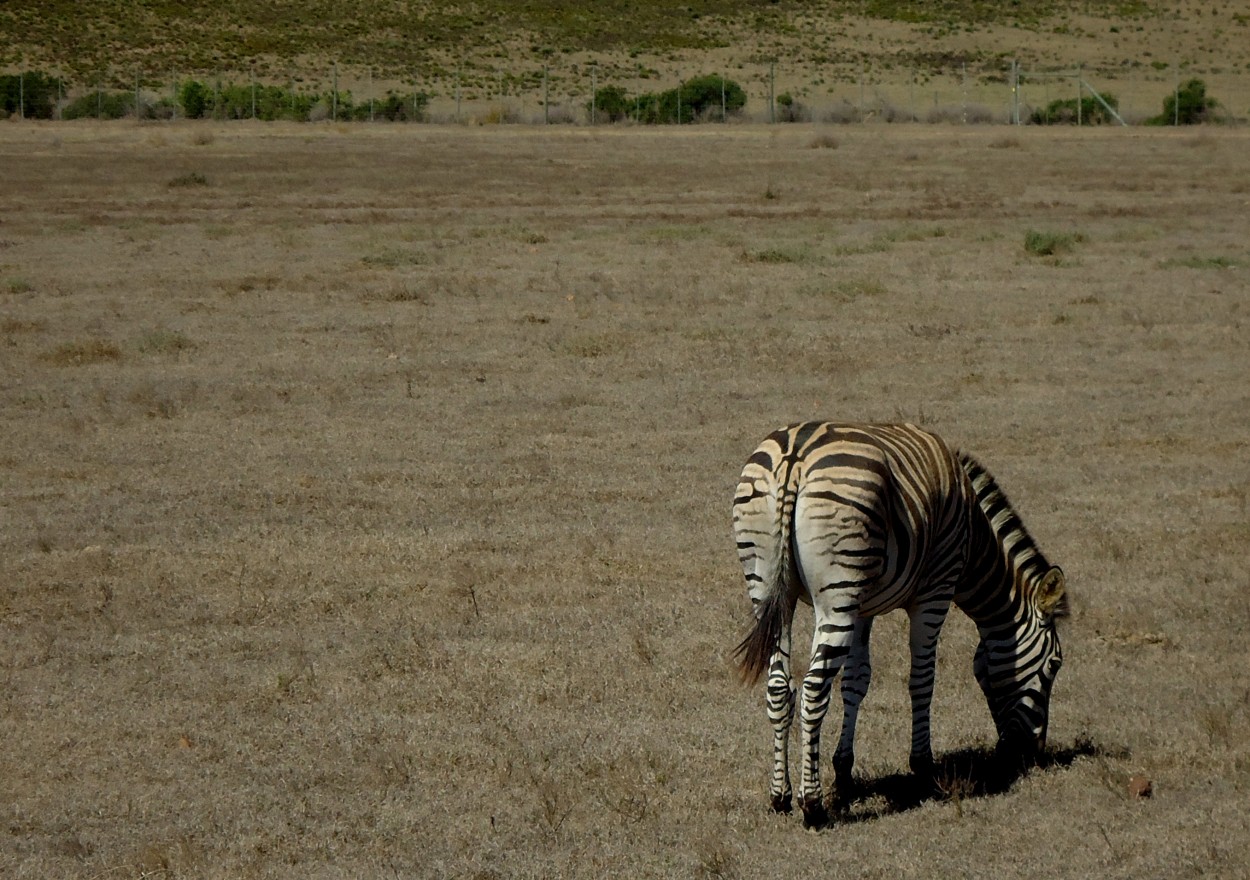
(367, 509)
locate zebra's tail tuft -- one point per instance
(754, 652)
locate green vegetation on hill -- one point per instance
(93, 40)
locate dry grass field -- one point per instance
(365, 491)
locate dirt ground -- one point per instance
(365, 490)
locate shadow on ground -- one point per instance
(959, 776)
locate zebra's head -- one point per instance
(1017, 674)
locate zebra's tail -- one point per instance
(768, 518)
(756, 650)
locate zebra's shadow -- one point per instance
(958, 776)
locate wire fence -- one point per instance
(964, 93)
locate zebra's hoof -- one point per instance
(815, 815)
(781, 804)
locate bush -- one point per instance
(231, 101)
(1189, 105)
(698, 98)
(611, 103)
(195, 99)
(790, 110)
(402, 108)
(32, 94)
(703, 95)
(100, 105)
(1064, 111)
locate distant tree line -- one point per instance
(38, 95)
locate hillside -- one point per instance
(496, 46)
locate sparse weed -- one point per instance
(84, 351)
(850, 289)
(777, 255)
(955, 787)
(913, 233)
(397, 293)
(716, 863)
(161, 340)
(1216, 723)
(19, 285)
(12, 326)
(1199, 263)
(190, 179)
(394, 259)
(163, 399)
(1047, 244)
(592, 345)
(823, 142)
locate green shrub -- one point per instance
(1063, 111)
(1188, 105)
(195, 99)
(703, 95)
(611, 103)
(32, 94)
(698, 98)
(100, 104)
(400, 108)
(231, 101)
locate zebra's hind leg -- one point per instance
(831, 642)
(856, 678)
(779, 698)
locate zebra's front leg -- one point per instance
(856, 678)
(830, 644)
(779, 698)
(926, 624)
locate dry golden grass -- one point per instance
(394, 537)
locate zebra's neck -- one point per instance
(1004, 562)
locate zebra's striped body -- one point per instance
(859, 520)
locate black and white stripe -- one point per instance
(858, 520)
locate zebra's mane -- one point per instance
(1020, 551)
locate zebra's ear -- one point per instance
(1052, 593)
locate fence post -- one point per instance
(546, 97)
(772, 85)
(21, 95)
(253, 93)
(1176, 99)
(1015, 92)
(912, 96)
(334, 99)
(1079, 77)
(594, 97)
(861, 91)
(722, 99)
(964, 87)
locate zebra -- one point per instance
(858, 520)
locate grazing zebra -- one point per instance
(858, 520)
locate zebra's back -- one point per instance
(883, 506)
